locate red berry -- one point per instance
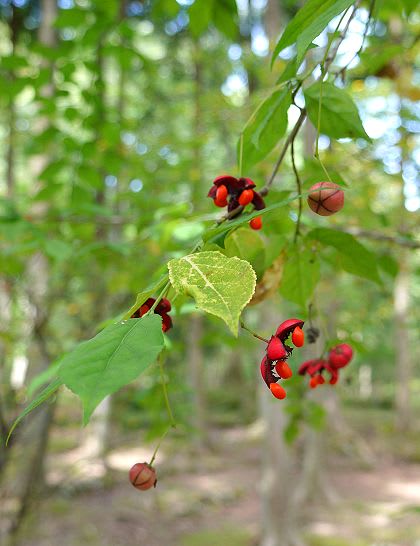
(256, 223)
(221, 193)
(283, 369)
(326, 198)
(276, 349)
(333, 380)
(221, 203)
(142, 476)
(298, 337)
(320, 380)
(246, 197)
(277, 391)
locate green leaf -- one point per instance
(42, 397)
(355, 258)
(58, 250)
(300, 276)
(220, 285)
(388, 264)
(113, 358)
(225, 17)
(200, 16)
(339, 114)
(308, 23)
(315, 415)
(291, 432)
(248, 245)
(265, 128)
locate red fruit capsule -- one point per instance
(298, 337)
(320, 380)
(246, 197)
(283, 369)
(142, 476)
(340, 355)
(256, 223)
(277, 391)
(276, 349)
(326, 198)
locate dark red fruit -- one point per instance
(326, 198)
(246, 197)
(340, 355)
(142, 476)
(277, 391)
(256, 223)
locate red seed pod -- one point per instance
(143, 309)
(221, 193)
(320, 379)
(142, 476)
(276, 349)
(256, 223)
(326, 198)
(166, 322)
(164, 306)
(340, 355)
(287, 327)
(298, 337)
(283, 369)
(277, 391)
(246, 197)
(222, 203)
(266, 371)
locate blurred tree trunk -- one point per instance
(195, 359)
(402, 345)
(280, 471)
(25, 477)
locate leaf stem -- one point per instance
(165, 393)
(299, 190)
(252, 332)
(158, 446)
(161, 295)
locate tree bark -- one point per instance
(403, 365)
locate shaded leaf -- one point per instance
(355, 258)
(339, 115)
(40, 399)
(300, 276)
(308, 23)
(248, 245)
(113, 358)
(265, 128)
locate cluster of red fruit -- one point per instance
(338, 357)
(162, 309)
(274, 366)
(228, 191)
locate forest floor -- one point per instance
(212, 499)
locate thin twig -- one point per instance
(165, 393)
(252, 333)
(290, 138)
(299, 190)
